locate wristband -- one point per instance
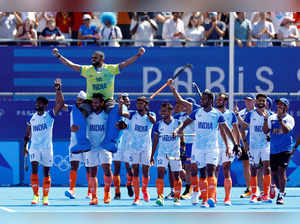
(58, 56)
(26, 138)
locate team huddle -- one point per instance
(191, 141)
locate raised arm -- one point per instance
(59, 97)
(131, 60)
(65, 61)
(179, 99)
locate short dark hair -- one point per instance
(167, 105)
(261, 95)
(225, 95)
(43, 99)
(142, 98)
(100, 53)
(210, 94)
(98, 96)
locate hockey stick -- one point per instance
(174, 77)
(197, 89)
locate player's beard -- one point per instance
(219, 106)
(96, 63)
(39, 109)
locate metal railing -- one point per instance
(67, 42)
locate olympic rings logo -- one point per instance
(63, 163)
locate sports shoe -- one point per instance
(253, 199)
(136, 201)
(227, 203)
(160, 201)
(176, 202)
(260, 197)
(272, 192)
(89, 196)
(186, 196)
(35, 200)
(266, 199)
(195, 198)
(211, 202)
(187, 193)
(94, 201)
(45, 200)
(117, 196)
(130, 190)
(106, 198)
(170, 196)
(146, 196)
(204, 204)
(70, 194)
(246, 194)
(280, 199)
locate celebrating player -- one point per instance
(39, 132)
(100, 78)
(186, 141)
(240, 115)
(205, 153)
(259, 147)
(141, 123)
(168, 148)
(280, 126)
(122, 154)
(78, 136)
(226, 159)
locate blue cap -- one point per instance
(284, 101)
(269, 101)
(249, 97)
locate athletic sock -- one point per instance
(136, 186)
(72, 179)
(93, 186)
(160, 186)
(253, 185)
(145, 183)
(267, 183)
(107, 183)
(46, 186)
(203, 188)
(212, 187)
(227, 187)
(129, 180)
(35, 183)
(178, 187)
(195, 183)
(117, 183)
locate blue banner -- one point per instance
(257, 69)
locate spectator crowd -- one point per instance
(261, 29)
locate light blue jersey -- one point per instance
(140, 130)
(167, 143)
(230, 119)
(206, 125)
(96, 125)
(258, 138)
(41, 130)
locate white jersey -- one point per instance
(41, 130)
(140, 130)
(96, 125)
(167, 143)
(257, 136)
(230, 119)
(189, 129)
(207, 128)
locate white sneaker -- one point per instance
(204, 204)
(195, 198)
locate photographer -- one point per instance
(143, 29)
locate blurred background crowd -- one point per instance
(171, 29)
